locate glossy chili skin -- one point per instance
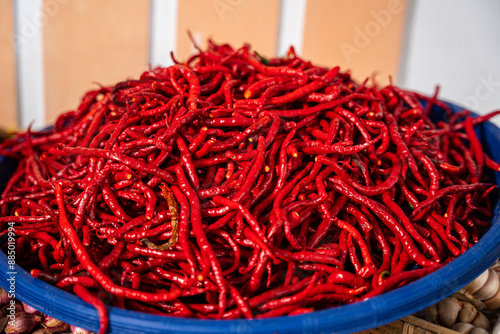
(237, 186)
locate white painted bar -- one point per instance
(29, 20)
(292, 23)
(163, 34)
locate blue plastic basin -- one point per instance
(371, 313)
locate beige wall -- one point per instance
(254, 22)
(363, 36)
(86, 42)
(8, 106)
(90, 42)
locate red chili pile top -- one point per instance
(237, 186)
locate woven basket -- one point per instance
(410, 325)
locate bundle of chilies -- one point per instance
(237, 186)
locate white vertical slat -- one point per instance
(163, 34)
(292, 22)
(406, 44)
(29, 20)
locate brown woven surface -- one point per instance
(410, 325)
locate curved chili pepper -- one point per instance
(94, 271)
(344, 189)
(424, 206)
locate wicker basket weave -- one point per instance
(410, 325)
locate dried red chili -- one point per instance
(258, 188)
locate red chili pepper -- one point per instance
(83, 256)
(84, 294)
(424, 206)
(386, 198)
(344, 189)
(196, 223)
(407, 276)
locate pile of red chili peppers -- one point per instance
(237, 186)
